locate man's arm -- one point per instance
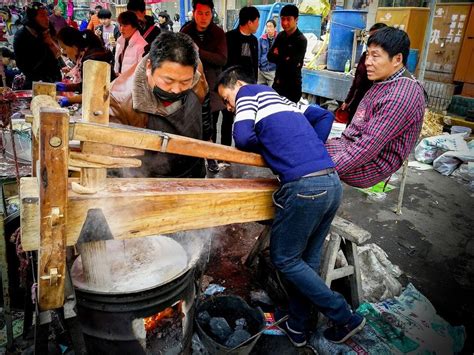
(390, 119)
(217, 57)
(321, 120)
(273, 54)
(296, 57)
(244, 124)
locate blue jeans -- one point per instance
(305, 210)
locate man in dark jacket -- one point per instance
(165, 93)
(212, 44)
(147, 28)
(361, 83)
(288, 54)
(35, 50)
(242, 49)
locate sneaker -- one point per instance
(339, 334)
(298, 339)
(212, 166)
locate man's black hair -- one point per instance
(209, 3)
(273, 22)
(6, 53)
(173, 47)
(98, 7)
(229, 77)
(136, 5)
(248, 13)
(377, 26)
(104, 13)
(128, 18)
(393, 41)
(91, 12)
(290, 10)
(71, 37)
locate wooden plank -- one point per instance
(41, 88)
(83, 160)
(37, 103)
(141, 207)
(158, 141)
(330, 257)
(53, 147)
(341, 272)
(349, 230)
(95, 108)
(7, 312)
(355, 280)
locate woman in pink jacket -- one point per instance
(130, 45)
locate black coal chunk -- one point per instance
(237, 338)
(240, 324)
(220, 328)
(204, 318)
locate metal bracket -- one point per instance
(55, 216)
(164, 143)
(52, 277)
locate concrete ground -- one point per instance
(432, 242)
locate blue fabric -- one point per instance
(305, 210)
(263, 47)
(289, 136)
(83, 25)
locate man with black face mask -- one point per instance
(37, 53)
(165, 93)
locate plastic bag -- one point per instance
(432, 147)
(449, 161)
(315, 7)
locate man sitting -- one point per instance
(388, 120)
(167, 89)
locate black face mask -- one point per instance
(169, 96)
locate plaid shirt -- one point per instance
(383, 132)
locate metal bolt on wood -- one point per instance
(55, 142)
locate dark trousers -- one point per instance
(226, 127)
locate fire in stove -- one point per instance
(169, 315)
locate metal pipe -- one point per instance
(182, 12)
(426, 42)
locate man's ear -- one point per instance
(148, 67)
(397, 59)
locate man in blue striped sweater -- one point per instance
(291, 137)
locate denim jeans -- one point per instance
(305, 210)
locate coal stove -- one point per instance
(148, 307)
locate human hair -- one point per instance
(393, 41)
(57, 8)
(209, 3)
(6, 53)
(128, 18)
(173, 47)
(377, 26)
(272, 22)
(32, 11)
(104, 14)
(98, 7)
(91, 12)
(248, 13)
(71, 37)
(229, 77)
(290, 10)
(136, 5)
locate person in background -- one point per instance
(94, 21)
(164, 93)
(291, 139)
(85, 22)
(388, 120)
(212, 44)
(242, 49)
(37, 53)
(165, 22)
(71, 22)
(361, 83)
(266, 70)
(147, 27)
(288, 54)
(57, 19)
(130, 45)
(78, 47)
(9, 65)
(107, 31)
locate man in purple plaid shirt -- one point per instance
(388, 120)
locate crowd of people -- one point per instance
(182, 82)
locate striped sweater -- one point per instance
(384, 130)
(289, 136)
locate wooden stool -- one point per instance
(351, 236)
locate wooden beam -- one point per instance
(41, 88)
(83, 160)
(52, 209)
(127, 136)
(141, 207)
(95, 108)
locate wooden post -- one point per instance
(53, 184)
(39, 88)
(95, 109)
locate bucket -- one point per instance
(341, 36)
(308, 23)
(231, 308)
(412, 60)
(461, 129)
